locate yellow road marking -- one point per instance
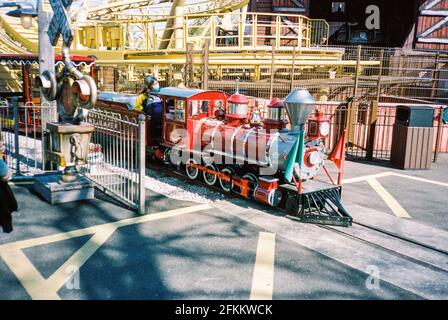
(364, 178)
(443, 184)
(91, 230)
(60, 277)
(263, 279)
(28, 275)
(40, 288)
(393, 204)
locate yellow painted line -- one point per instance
(393, 204)
(263, 278)
(40, 288)
(60, 276)
(364, 178)
(91, 230)
(28, 275)
(439, 183)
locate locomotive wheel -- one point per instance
(292, 205)
(210, 178)
(226, 185)
(166, 156)
(253, 179)
(192, 173)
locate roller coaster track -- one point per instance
(15, 39)
(160, 9)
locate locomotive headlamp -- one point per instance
(324, 129)
(318, 126)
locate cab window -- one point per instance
(194, 108)
(179, 110)
(204, 106)
(218, 104)
(198, 107)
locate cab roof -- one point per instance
(184, 93)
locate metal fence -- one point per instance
(370, 127)
(116, 161)
(21, 134)
(117, 157)
(362, 74)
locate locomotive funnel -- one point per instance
(299, 104)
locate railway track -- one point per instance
(390, 243)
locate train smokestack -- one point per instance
(299, 105)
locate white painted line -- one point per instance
(393, 204)
(263, 278)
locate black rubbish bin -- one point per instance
(413, 137)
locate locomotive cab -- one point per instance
(183, 109)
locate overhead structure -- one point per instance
(161, 9)
(158, 36)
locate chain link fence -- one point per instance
(336, 76)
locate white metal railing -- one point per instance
(22, 136)
(116, 161)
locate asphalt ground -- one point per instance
(423, 201)
(208, 254)
(213, 251)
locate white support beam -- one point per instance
(433, 40)
(434, 28)
(438, 13)
(430, 4)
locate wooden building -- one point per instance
(347, 18)
(431, 30)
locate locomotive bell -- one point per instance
(299, 105)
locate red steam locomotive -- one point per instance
(225, 141)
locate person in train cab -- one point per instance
(151, 104)
(144, 98)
